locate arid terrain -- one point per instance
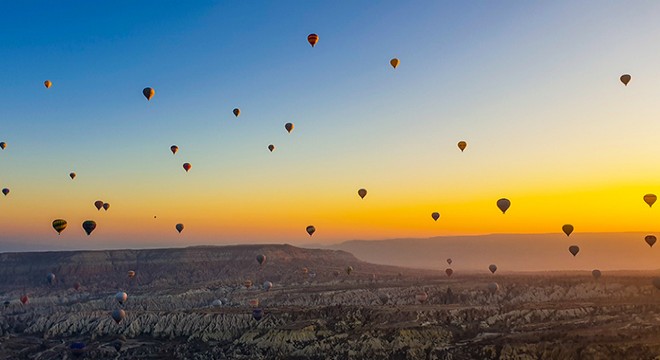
(191, 303)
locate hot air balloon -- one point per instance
(395, 62)
(98, 204)
(174, 149)
(261, 259)
(267, 285)
(5, 191)
(312, 39)
(257, 314)
(288, 127)
(462, 145)
(216, 303)
(76, 285)
(72, 175)
(121, 297)
(253, 302)
(25, 299)
(148, 93)
(131, 274)
(48, 84)
(271, 147)
(596, 274)
(237, 112)
(650, 199)
(310, 230)
(304, 270)
(50, 278)
(247, 284)
(449, 271)
(656, 283)
(89, 226)
(650, 239)
(362, 193)
(492, 268)
(574, 249)
(106, 206)
(59, 225)
(3, 145)
(77, 348)
(625, 79)
(187, 167)
(568, 229)
(179, 228)
(449, 261)
(493, 287)
(435, 216)
(118, 315)
(503, 204)
(349, 270)
(421, 297)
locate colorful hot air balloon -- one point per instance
(288, 127)
(253, 302)
(449, 271)
(493, 287)
(148, 93)
(267, 285)
(395, 62)
(462, 145)
(261, 259)
(106, 206)
(312, 39)
(271, 147)
(349, 270)
(72, 175)
(121, 297)
(174, 149)
(59, 225)
(98, 204)
(310, 230)
(625, 79)
(118, 315)
(435, 216)
(503, 204)
(179, 228)
(50, 278)
(421, 297)
(48, 84)
(3, 145)
(89, 226)
(449, 261)
(257, 314)
(574, 249)
(362, 193)
(492, 268)
(237, 112)
(5, 191)
(567, 229)
(187, 167)
(650, 199)
(596, 274)
(650, 239)
(131, 274)
(25, 299)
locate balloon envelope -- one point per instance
(650, 239)
(492, 268)
(462, 145)
(148, 93)
(50, 278)
(187, 167)
(121, 297)
(3, 145)
(449, 261)
(421, 297)
(362, 193)
(310, 230)
(257, 314)
(567, 229)
(435, 216)
(247, 284)
(59, 225)
(574, 249)
(395, 62)
(72, 175)
(174, 149)
(261, 259)
(89, 226)
(267, 285)
(349, 270)
(625, 79)
(312, 39)
(650, 199)
(288, 127)
(493, 287)
(271, 147)
(449, 271)
(237, 112)
(503, 204)
(118, 315)
(98, 204)
(5, 191)
(48, 84)
(76, 285)
(24, 299)
(106, 206)
(179, 228)
(131, 274)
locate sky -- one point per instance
(533, 87)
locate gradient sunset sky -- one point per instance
(532, 86)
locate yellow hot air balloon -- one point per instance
(312, 39)
(48, 84)
(568, 229)
(625, 79)
(395, 62)
(650, 199)
(462, 145)
(59, 225)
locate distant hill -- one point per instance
(512, 252)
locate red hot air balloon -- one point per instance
(312, 39)
(187, 167)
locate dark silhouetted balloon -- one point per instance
(312, 39)
(257, 314)
(5, 191)
(174, 149)
(574, 249)
(435, 216)
(288, 127)
(395, 62)
(187, 167)
(449, 271)
(349, 270)
(59, 225)
(596, 274)
(131, 274)
(567, 229)
(271, 147)
(77, 348)
(3, 145)
(310, 230)
(50, 278)
(462, 145)
(98, 204)
(449, 261)
(106, 206)
(148, 93)
(261, 259)
(493, 287)
(179, 228)
(89, 226)
(362, 193)
(503, 204)
(625, 79)
(118, 315)
(650, 199)
(650, 239)
(267, 285)
(492, 268)
(237, 112)
(72, 175)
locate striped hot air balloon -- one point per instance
(312, 39)
(59, 225)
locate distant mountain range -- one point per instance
(512, 252)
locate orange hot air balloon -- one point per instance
(650, 199)
(435, 216)
(625, 79)
(362, 193)
(462, 145)
(98, 204)
(174, 149)
(237, 112)
(650, 239)
(312, 39)
(449, 271)
(271, 147)
(179, 228)
(568, 229)
(395, 62)
(148, 93)
(503, 204)
(310, 230)
(48, 84)
(421, 297)
(187, 167)
(288, 127)
(253, 302)
(574, 249)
